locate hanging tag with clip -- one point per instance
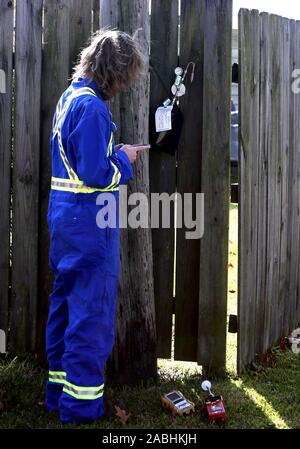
(163, 120)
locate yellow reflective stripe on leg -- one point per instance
(83, 392)
(58, 377)
(57, 373)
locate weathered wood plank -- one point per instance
(275, 221)
(134, 355)
(55, 73)
(189, 180)
(96, 13)
(80, 27)
(295, 313)
(263, 167)
(292, 316)
(274, 188)
(6, 56)
(284, 305)
(215, 184)
(26, 175)
(164, 28)
(249, 64)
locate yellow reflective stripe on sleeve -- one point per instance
(109, 148)
(116, 177)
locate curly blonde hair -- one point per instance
(113, 59)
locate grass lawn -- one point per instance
(268, 398)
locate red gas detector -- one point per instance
(213, 405)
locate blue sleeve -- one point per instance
(121, 159)
(90, 140)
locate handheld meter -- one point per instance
(177, 403)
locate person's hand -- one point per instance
(120, 145)
(132, 151)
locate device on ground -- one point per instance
(177, 403)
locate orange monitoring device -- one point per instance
(177, 403)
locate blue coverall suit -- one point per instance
(83, 257)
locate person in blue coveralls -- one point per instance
(83, 256)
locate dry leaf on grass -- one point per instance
(121, 415)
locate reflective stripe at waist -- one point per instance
(76, 186)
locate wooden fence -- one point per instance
(37, 58)
(202, 165)
(269, 205)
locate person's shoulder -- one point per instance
(91, 102)
(90, 105)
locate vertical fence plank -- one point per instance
(55, 73)
(284, 36)
(262, 208)
(80, 27)
(134, 354)
(189, 180)
(26, 174)
(96, 12)
(249, 45)
(274, 188)
(215, 186)
(292, 315)
(164, 28)
(6, 56)
(294, 319)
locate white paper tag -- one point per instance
(163, 118)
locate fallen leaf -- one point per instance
(267, 358)
(2, 407)
(40, 403)
(230, 265)
(231, 291)
(121, 415)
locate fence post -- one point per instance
(215, 171)
(26, 175)
(6, 56)
(134, 356)
(189, 180)
(163, 60)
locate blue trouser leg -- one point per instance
(55, 347)
(86, 258)
(89, 340)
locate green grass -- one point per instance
(268, 398)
